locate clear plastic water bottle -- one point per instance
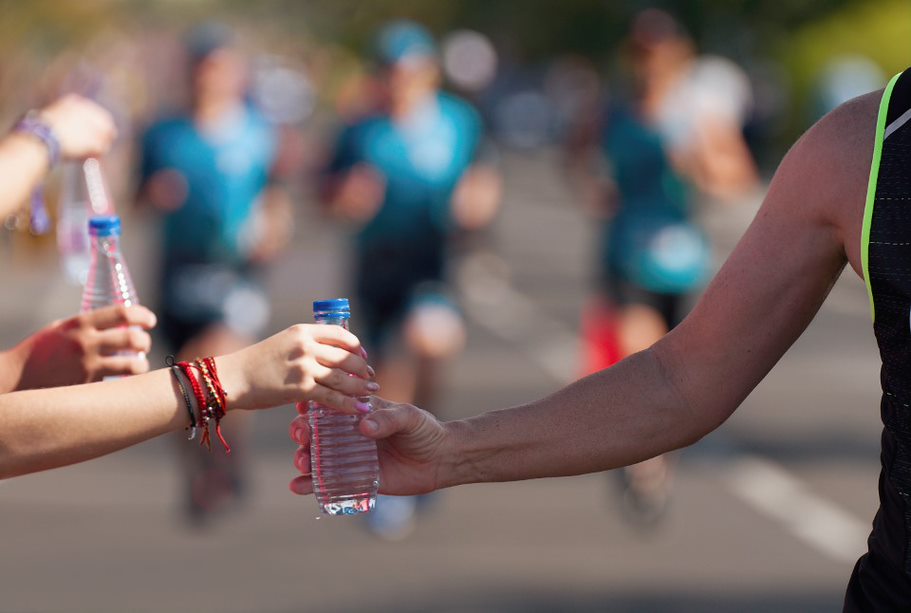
(83, 195)
(108, 281)
(343, 462)
(72, 225)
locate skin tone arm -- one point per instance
(41, 429)
(718, 160)
(477, 197)
(354, 195)
(685, 385)
(83, 128)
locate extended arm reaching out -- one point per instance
(41, 429)
(688, 383)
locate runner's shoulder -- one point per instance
(830, 163)
(850, 129)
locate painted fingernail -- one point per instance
(364, 353)
(370, 371)
(298, 435)
(373, 386)
(363, 407)
(371, 425)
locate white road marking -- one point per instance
(493, 304)
(771, 490)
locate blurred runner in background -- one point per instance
(679, 128)
(409, 176)
(209, 173)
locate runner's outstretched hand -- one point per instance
(412, 446)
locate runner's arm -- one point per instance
(690, 382)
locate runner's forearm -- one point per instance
(616, 417)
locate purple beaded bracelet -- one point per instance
(31, 123)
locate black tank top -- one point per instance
(882, 577)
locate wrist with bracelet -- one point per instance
(33, 125)
(211, 399)
(188, 398)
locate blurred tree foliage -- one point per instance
(534, 29)
(880, 31)
(798, 34)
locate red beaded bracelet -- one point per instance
(217, 393)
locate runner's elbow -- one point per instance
(695, 415)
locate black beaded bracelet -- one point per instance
(192, 429)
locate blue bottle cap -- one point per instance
(331, 306)
(104, 226)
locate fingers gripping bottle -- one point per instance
(343, 462)
(108, 281)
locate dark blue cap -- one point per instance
(104, 226)
(334, 305)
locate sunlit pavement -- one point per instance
(768, 512)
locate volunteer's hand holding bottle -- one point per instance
(302, 363)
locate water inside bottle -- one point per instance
(344, 463)
(109, 282)
(73, 243)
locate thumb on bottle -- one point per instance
(370, 426)
(389, 418)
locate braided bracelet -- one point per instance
(211, 398)
(206, 368)
(206, 413)
(192, 429)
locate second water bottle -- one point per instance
(109, 280)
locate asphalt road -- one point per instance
(769, 512)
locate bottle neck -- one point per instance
(335, 318)
(112, 241)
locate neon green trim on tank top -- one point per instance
(871, 189)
